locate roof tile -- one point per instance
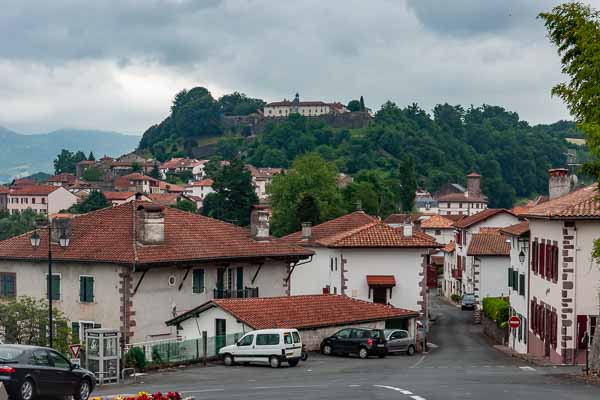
(582, 203)
(480, 216)
(484, 244)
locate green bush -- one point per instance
(456, 298)
(496, 309)
(136, 358)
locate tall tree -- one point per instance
(95, 201)
(234, 195)
(408, 184)
(575, 30)
(353, 105)
(155, 172)
(91, 157)
(308, 210)
(362, 104)
(309, 175)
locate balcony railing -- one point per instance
(235, 294)
(457, 273)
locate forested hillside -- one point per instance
(512, 156)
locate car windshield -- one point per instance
(9, 353)
(376, 334)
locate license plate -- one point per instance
(381, 345)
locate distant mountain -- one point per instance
(22, 155)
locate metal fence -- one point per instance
(176, 350)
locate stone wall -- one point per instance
(491, 330)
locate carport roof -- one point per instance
(300, 312)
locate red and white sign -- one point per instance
(514, 322)
(74, 349)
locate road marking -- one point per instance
(417, 397)
(432, 345)
(353, 385)
(418, 362)
(403, 391)
(527, 368)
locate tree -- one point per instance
(234, 195)
(155, 172)
(16, 224)
(95, 201)
(362, 104)
(575, 29)
(408, 184)
(24, 320)
(195, 113)
(91, 157)
(136, 167)
(212, 168)
(354, 105)
(239, 104)
(308, 210)
(92, 174)
(309, 175)
(66, 161)
(185, 205)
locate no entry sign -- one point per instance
(514, 322)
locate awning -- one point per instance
(381, 280)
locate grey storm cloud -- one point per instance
(116, 64)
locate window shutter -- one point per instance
(220, 278)
(548, 261)
(510, 277)
(516, 279)
(542, 255)
(240, 278)
(534, 257)
(75, 331)
(555, 265)
(89, 290)
(522, 284)
(81, 289)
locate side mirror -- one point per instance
(237, 344)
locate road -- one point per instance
(464, 366)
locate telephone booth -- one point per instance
(102, 349)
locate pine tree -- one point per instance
(408, 184)
(91, 157)
(362, 104)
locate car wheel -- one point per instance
(293, 363)
(363, 353)
(27, 390)
(274, 362)
(327, 350)
(84, 392)
(411, 350)
(228, 360)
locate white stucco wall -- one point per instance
(60, 199)
(312, 277)
(31, 281)
(519, 303)
(445, 236)
(493, 276)
(192, 328)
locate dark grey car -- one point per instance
(400, 341)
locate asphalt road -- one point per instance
(463, 366)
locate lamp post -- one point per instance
(35, 243)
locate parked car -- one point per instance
(29, 372)
(361, 341)
(270, 346)
(400, 341)
(468, 301)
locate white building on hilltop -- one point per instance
(305, 108)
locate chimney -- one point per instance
(259, 222)
(61, 226)
(306, 230)
(559, 183)
(407, 230)
(152, 229)
(473, 185)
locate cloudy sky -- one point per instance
(116, 65)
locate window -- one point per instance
(336, 263)
(84, 326)
(59, 361)
(359, 334)
(331, 263)
(343, 334)
(43, 200)
(438, 232)
(287, 338)
(270, 339)
(198, 281)
(296, 336)
(522, 284)
(55, 287)
(510, 277)
(399, 335)
(75, 332)
(40, 357)
(8, 284)
(246, 340)
(33, 200)
(86, 289)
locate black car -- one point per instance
(361, 341)
(29, 371)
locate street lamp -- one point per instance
(35, 243)
(522, 257)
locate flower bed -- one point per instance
(147, 396)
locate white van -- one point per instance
(267, 346)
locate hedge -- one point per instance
(496, 309)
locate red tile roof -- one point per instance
(462, 197)
(517, 229)
(116, 196)
(403, 218)
(381, 280)
(333, 227)
(64, 177)
(301, 312)
(4, 190)
(170, 188)
(483, 244)
(437, 222)
(455, 217)
(203, 182)
(165, 199)
(583, 203)
(490, 230)
(110, 235)
(449, 248)
(33, 190)
(480, 217)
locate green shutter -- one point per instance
(510, 277)
(220, 278)
(75, 332)
(240, 278)
(89, 289)
(522, 284)
(198, 281)
(82, 289)
(55, 282)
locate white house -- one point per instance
(563, 283)
(315, 316)
(262, 178)
(136, 265)
(490, 259)
(470, 202)
(306, 108)
(485, 221)
(200, 188)
(452, 280)
(518, 282)
(359, 256)
(438, 227)
(42, 199)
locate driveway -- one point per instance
(462, 366)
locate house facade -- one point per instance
(149, 262)
(438, 227)
(359, 256)
(467, 203)
(484, 221)
(262, 178)
(563, 283)
(490, 257)
(4, 191)
(200, 188)
(518, 282)
(42, 199)
(305, 108)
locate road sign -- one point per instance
(514, 322)
(76, 361)
(74, 349)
